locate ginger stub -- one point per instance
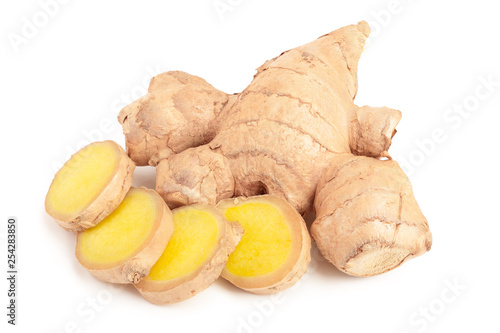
(128, 242)
(89, 186)
(194, 257)
(275, 249)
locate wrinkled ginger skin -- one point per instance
(178, 112)
(286, 126)
(293, 124)
(367, 219)
(211, 182)
(372, 129)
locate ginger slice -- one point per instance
(275, 249)
(128, 242)
(194, 257)
(89, 186)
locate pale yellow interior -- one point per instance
(82, 179)
(122, 232)
(193, 240)
(266, 242)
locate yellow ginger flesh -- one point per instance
(265, 244)
(193, 240)
(122, 232)
(82, 179)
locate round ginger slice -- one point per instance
(128, 242)
(194, 257)
(274, 251)
(89, 186)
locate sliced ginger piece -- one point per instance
(194, 257)
(128, 242)
(89, 186)
(275, 249)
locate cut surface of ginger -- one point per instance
(266, 242)
(89, 186)
(127, 243)
(274, 251)
(83, 178)
(194, 257)
(121, 233)
(195, 234)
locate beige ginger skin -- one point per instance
(294, 132)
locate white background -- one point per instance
(64, 84)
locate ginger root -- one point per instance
(275, 249)
(89, 186)
(126, 244)
(194, 257)
(288, 133)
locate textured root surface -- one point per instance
(297, 260)
(284, 128)
(106, 201)
(197, 175)
(372, 130)
(375, 258)
(133, 268)
(292, 118)
(178, 112)
(182, 288)
(368, 221)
